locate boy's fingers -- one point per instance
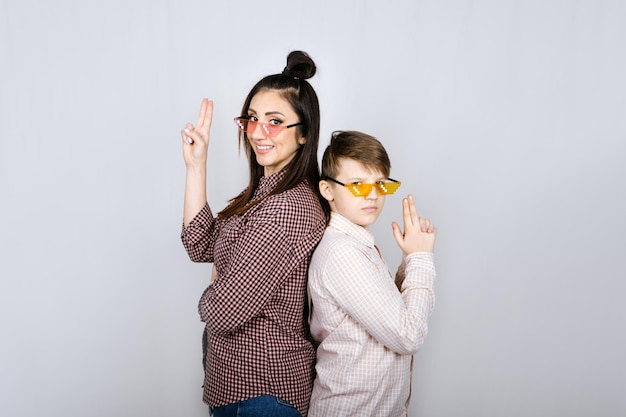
(411, 216)
(425, 224)
(414, 213)
(406, 213)
(397, 233)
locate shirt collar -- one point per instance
(267, 184)
(343, 225)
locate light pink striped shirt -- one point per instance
(368, 327)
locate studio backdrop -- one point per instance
(505, 119)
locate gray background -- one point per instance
(505, 118)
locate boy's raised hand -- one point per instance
(419, 234)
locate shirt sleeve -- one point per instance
(396, 318)
(265, 255)
(199, 236)
(400, 273)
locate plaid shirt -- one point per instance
(368, 326)
(257, 338)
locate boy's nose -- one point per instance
(373, 194)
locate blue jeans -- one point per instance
(263, 406)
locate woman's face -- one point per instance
(273, 153)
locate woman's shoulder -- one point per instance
(299, 204)
(301, 197)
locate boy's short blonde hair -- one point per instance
(358, 146)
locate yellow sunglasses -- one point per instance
(361, 190)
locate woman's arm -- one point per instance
(199, 236)
(195, 148)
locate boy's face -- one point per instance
(359, 210)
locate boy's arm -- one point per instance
(369, 295)
(400, 274)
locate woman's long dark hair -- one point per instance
(293, 86)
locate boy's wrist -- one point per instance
(419, 255)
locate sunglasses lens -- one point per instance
(272, 130)
(387, 187)
(249, 126)
(383, 188)
(246, 125)
(360, 190)
(242, 124)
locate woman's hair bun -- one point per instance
(299, 65)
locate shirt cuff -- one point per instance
(204, 217)
(197, 227)
(419, 270)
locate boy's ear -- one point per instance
(326, 190)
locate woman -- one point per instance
(257, 351)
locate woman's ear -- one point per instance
(326, 190)
(301, 140)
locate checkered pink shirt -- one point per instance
(256, 326)
(368, 326)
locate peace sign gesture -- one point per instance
(419, 234)
(196, 138)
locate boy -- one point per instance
(367, 326)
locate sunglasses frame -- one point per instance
(353, 188)
(264, 126)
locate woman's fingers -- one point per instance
(186, 134)
(203, 109)
(199, 133)
(205, 117)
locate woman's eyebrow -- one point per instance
(267, 113)
(274, 113)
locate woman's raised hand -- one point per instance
(419, 234)
(196, 138)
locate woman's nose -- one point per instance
(259, 132)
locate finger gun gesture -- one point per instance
(419, 234)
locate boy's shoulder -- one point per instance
(332, 239)
(337, 242)
(343, 230)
